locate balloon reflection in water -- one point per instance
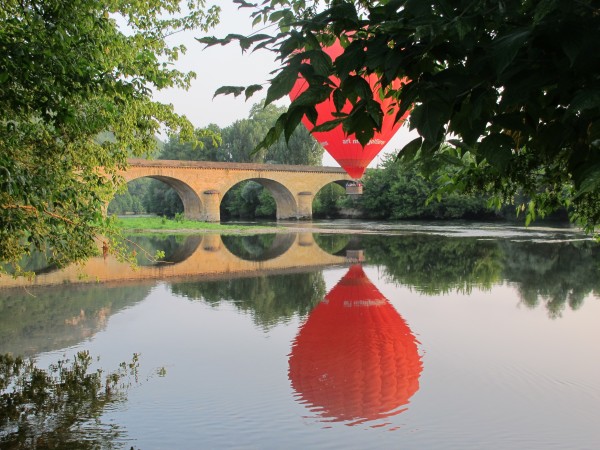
(355, 359)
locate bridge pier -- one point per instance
(305, 200)
(212, 206)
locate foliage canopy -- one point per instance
(513, 86)
(76, 83)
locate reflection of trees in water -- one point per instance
(270, 299)
(173, 246)
(552, 273)
(332, 243)
(44, 319)
(61, 408)
(176, 248)
(250, 248)
(436, 264)
(36, 262)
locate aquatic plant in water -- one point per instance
(61, 407)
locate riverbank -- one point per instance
(162, 225)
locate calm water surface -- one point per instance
(462, 336)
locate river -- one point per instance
(347, 335)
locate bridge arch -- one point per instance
(192, 204)
(285, 202)
(341, 182)
(327, 197)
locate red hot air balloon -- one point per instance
(346, 149)
(355, 359)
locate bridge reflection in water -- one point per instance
(201, 255)
(355, 359)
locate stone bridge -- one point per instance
(202, 184)
(204, 256)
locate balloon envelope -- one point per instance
(346, 149)
(355, 359)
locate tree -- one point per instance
(241, 138)
(209, 150)
(69, 71)
(399, 192)
(161, 199)
(327, 200)
(513, 86)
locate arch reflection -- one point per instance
(259, 247)
(354, 359)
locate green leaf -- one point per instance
(227, 90)
(450, 159)
(327, 126)
(417, 8)
(339, 99)
(282, 83)
(594, 132)
(430, 119)
(350, 60)
(587, 179)
(361, 123)
(211, 40)
(270, 139)
(293, 118)
(278, 15)
(544, 8)
(497, 150)
(505, 48)
(459, 144)
(409, 151)
(313, 96)
(250, 90)
(344, 12)
(572, 46)
(320, 61)
(311, 114)
(585, 99)
(244, 4)
(356, 87)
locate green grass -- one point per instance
(160, 223)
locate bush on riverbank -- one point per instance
(398, 192)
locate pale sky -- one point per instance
(226, 65)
